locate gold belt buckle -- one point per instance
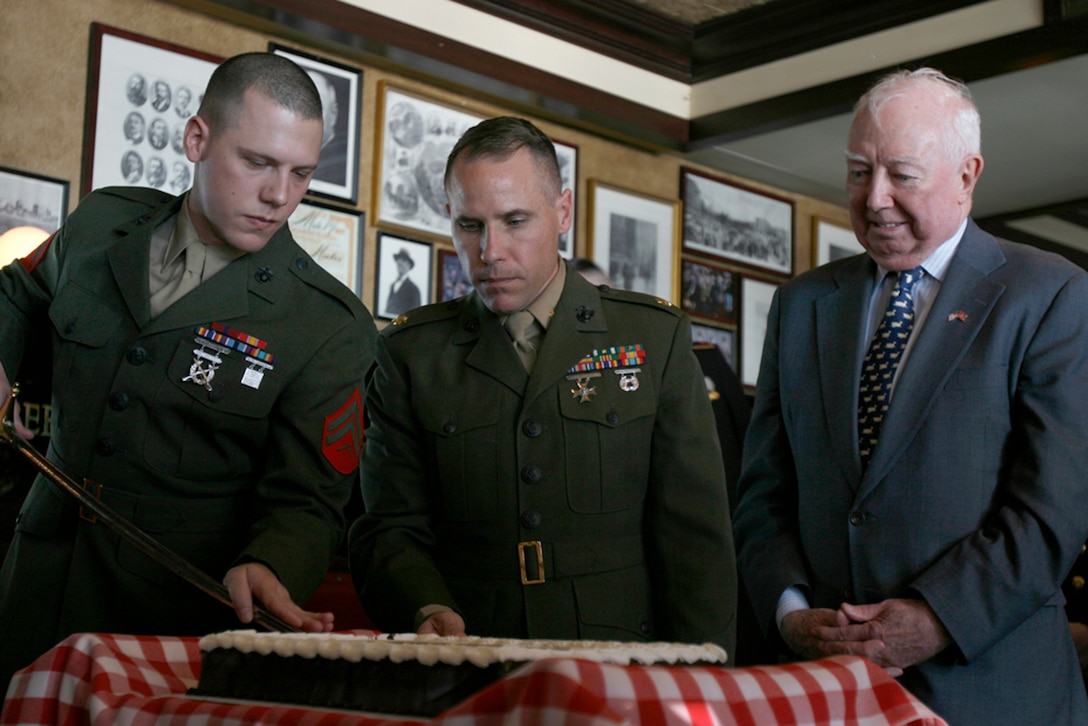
(96, 490)
(522, 546)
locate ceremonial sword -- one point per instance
(125, 529)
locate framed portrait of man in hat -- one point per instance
(404, 275)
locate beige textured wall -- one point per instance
(44, 56)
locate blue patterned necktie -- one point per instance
(882, 360)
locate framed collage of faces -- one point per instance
(141, 93)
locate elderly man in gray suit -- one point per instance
(914, 475)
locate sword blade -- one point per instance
(125, 529)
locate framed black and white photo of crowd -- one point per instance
(633, 238)
(334, 238)
(403, 277)
(31, 200)
(341, 90)
(567, 156)
(141, 93)
(735, 223)
(415, 134)
(708, 290)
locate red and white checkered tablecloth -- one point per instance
(124, 679)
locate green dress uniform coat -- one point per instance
(536, 507)
(256, 466)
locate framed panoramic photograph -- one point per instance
(333, 237)
(755, 306)
(722, 338)
(633, 237)
(452, 280)
(708, 291)
(140, 93)
(832, 241)
(31, 200)
(735, 223)
(567, 156)
(404, 276)
(341, 90)
(415, 135)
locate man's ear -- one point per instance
(197, 138)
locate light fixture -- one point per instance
(18, 242)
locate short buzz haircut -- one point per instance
(966, 132)
(271, 75)
(501, 138)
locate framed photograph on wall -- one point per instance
(708, 291)
(567, 155)
(341, 91)
(832, 241)
(415, 135)
(403, 279)
(722, 338)
(31, 200)
(334, 238)
(140, 94)
(755, 306)
(731, 222)
(633, 237)
(452, 280)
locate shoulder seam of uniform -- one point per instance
(425, 314)
(640, 298)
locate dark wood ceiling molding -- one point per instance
(375, 40)
(776, 30)
(614, 28)
(1051, 42)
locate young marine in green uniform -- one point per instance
(207, 373)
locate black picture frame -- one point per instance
(708, 290)
(140, 94)
(452, 282)
(387, 305)
(735, 223)
(33, 200)
(337, 175)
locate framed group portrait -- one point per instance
(708, 290)
(633, 238)
(832, 241)
(334, 238)
(403, 277)
(141, 93)
(31, 200)
(567, 156)
(415, 136)
(341, 90)
(734, 223)
(452, 280)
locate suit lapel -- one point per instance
(839, 317)
(965, 301)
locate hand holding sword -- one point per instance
(242, 582)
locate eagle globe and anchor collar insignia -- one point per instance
(218, 341)
(623, 360)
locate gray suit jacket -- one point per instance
(974, 496)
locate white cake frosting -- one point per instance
(482, 652)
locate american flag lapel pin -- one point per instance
(958, 315)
